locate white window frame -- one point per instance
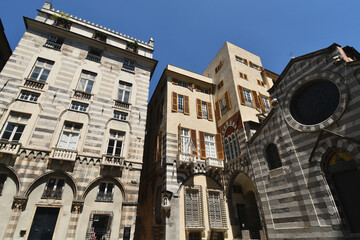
(86, 81)
(71, 131)
(180, 103)
(248, 97)
(79, 106)
(210, 145)
(41, 70)
(223, 106)
(204, 110)
(232, 147)
(119, 138)
(185, 141)
(124, 92)
(215, 209)
(28, 96)
(120, 115)
(266, 103)
(16, 120)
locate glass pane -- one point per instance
(102, 187)
(118, 148)
(120, 94)
(60, 184)
(63, 141)
(44, 75)
(110, 187)
(73, 141)
(110, 149)
(89, 86)
(35, 73)
(51, 183)
(81, 85)
(127, 95)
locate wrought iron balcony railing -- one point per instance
(93, 57)
(104, 197)
(34, 84)
(53, 45)
(52, 194)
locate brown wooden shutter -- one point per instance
(186, 105)
(241, 94)
(227, 101)
(250, 64)
(174, 81)
(245, 61)
(193, 139)
(174, 104)
(202, 145)
(209, 111)
(262, 106)
(256, 99)
(219, 146)
(218, 116)
(261, 68)
(198, 108)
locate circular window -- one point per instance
(314, 102)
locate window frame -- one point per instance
(210, 145)
(42, 68)
(122, 116)
(87, 77)
(105, 198)
(117, 137)
(31, 96)
(21, 120)
(74, 130)
(125, 89)
(56, 191)
(78, 106)
(249, 101)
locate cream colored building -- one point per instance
(195, 133)
(72, 115)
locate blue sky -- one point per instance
(188, 34)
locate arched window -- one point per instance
(343, 176)
(232, 147)
(272, 156)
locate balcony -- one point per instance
(214, 164)
(104, 197)
(63, 154)
(112, 161)
(121, 105)
(10, 148)
(62, 23)
(185, 160)
(53, 45)
(52, 194)
(93, 57)
(82, 95)
(34, 84)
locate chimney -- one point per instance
(47, 5)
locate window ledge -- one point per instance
(23, 100)
(277, 172)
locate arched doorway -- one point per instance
(343, 176)
(243, 208)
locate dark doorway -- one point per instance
(43, 224)
(100, 226)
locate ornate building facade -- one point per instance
(72, 114)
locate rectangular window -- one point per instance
(69, 136)
(243, 75)
(257, 67)
(115, 143)
(261, 83)
(193, 208)
(120, 115)
(180, 103)
(242, 60)
(78, 106)
(105, 193)
(54, 188)
(41, 70)
(99, 227)
(29, 96)
(183, 84)
(94, 55)
(124, 92)
(86, 81)
(3, 177)
(210, 145)
(54, 42)
(204, 110)
(128, 65)
(221, 84)
(185, 141)
(248, 97)
(223, 108)
(218, 67)
(214, 208)
(266, 103)
(14, 127)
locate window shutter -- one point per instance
(209, 111)
(245, 61)
(262, 106)
(241, 94)
(186, 105)
(250, 64)
(227, 101)
(193, 139)
(261, 68)
(174, 81)
(256, 99)
(198, 108)
(174, 105)
(202, 145)
(218, 116)
(219, 146)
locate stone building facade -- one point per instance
(73, 109)
(283, 165)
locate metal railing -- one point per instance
(34, 84)
(53, 45)
(104, 197)
(52, 194)
(122, 105)
(93, 57)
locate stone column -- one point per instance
(18, 206)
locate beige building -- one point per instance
(72, 115)
(195, 133)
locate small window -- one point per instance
(69, 136)
(204, 110)
(243, 75)
(261, 83)
(78, 106)
(54, 42)
(124, 92)
(266, 103)
(257, 67)
(221, 84)
(41, 70)
(217, 69)
(180, 103)
(242, 60)
(54, 188)
(29, 96)
(120, 115)
(115, 143)
(183, 84)
(272, 156)
(14, 127)
(3, 177)
(128, 65)
(223, 107)
(248, 97)
(86, 82)
(105, 193)
(94, 55)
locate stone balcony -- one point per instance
(214, 164)
(82, 95)
(11, 148)
(63, 154)
(112, 161)
(185, 160)
(121, 105)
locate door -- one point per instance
(43, 224)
